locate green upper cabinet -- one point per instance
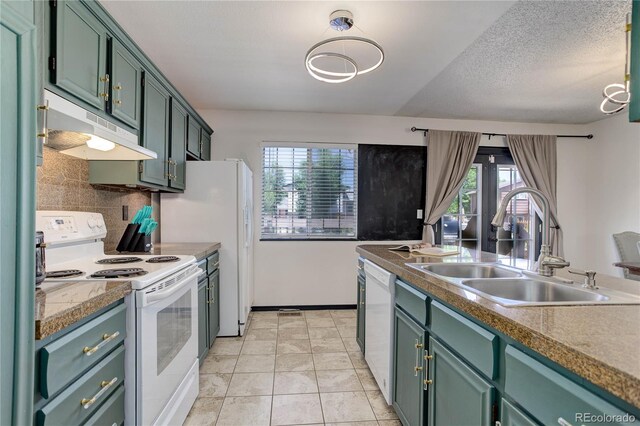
(193, 144)
(126, 74)
(155, 131)
(634, 108)
(79, 62)
(205, 145)
(178, 145)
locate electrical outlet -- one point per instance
(125, 213)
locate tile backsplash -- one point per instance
(63, 184)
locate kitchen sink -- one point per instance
(467, 270)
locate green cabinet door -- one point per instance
(457, 394)
(80, 53)
(193, 142)
(512, 416)
(361, 304)
(214, 306)
(126, 77)
(408, 368)
(205, 145)
(155, 130)
(203, 344)
(178, 145)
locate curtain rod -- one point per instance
(416, 129)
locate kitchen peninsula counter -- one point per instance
(600, 343)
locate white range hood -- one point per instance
(74, 131)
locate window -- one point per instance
(309, 192)
(461, 222)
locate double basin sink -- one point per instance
(513, 287)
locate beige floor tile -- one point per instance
(214, 385)
(345, 322)
(320, 322)
(336, 361)
(293, 347)
(261, 334)
(338, 381)
(264, 323)
(317, 314)
(346, 407)
(367, 379)
(381, 409)
(324, 333)
(255, 363)
(291, 382)
(204, 412)
(291, 322)
(390, 423)
(357, 359)
(258, 347)
(293, 333)
(344, 313)
(369, 423)
(219, 364)
(294, 362)
(248, 384)
(226, 346)
(350, 344)
(264, 314)
(245, 411)
(347, 331)
(327, 346)
(296, 409)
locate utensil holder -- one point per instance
(128, 236)
(141, 244)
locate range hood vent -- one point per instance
(74, 131)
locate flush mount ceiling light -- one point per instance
(340, 59)
(617, 95)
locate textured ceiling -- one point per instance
(524, 61)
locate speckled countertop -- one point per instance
(600, 343)
(198, 250)
(59, 305)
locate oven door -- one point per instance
(167, 340)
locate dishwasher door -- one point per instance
(379, 325)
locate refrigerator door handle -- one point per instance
(248, 226)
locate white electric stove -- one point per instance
(162, 323)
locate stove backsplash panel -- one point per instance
(63, 184)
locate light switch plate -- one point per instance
(419, 215)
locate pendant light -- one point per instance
(617, 95)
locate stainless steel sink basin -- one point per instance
(529, 290)
(468, 270)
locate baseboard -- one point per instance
(302, 307)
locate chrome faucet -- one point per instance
(547, 264)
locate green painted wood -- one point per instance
(548, 395)
(205, 148)
(111, 412)
(178, 145)
(155, 130)
(17, 211)
(63, 360)
(80, 52)
(214, 306)
(361, 313)
(65, 409)
(474, 343)
(193, 141)
(213, 262)
(203, 321)
(634, 107)
(408, 395)
(510, 415)
(412, 301)
(24, 8)
(126, 87)
(457, 394)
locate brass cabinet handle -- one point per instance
(43, 134)
(105, 385)
(106, 338)
(428, 382)
(428, 357)
(118, 88)
(417, 367)
(105, 87)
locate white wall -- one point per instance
(323, 272)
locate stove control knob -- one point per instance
(100, 224)
(92, 223)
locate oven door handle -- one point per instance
(152, 298)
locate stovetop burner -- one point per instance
(163, 259)
(119, 273)
(66, 273)
(118, 260)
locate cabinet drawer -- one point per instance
(213, 262)
(66, 358)
(549, 396)
(67, 408)
(474, 343)
(111, 413)
(412, 301)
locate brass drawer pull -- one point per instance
(428, 382)
(105, 88)
(86, 403)
(419, 368)
(106, 338)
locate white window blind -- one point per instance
(309, 192)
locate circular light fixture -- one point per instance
(316, 72)
(616, 100)
(341, 20)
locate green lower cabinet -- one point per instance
(512, 416)
(203, 322)
(214, 306)
(361, 305)
(408, 367)
(457, 394)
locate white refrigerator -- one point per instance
(218, 206)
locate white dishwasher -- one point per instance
(379, 325)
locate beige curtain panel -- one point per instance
(450, 154)
(537, 161)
